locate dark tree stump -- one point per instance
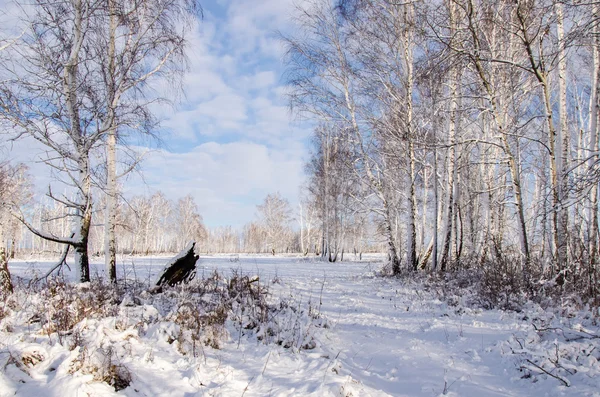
(180, 269)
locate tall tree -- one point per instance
(189, 224)
(14, 192)
(138, 43)
(275, 214)
(45, 96)
(76, 78)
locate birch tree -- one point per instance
(188, 221)
(530, 22)
(14, 192)
(138, 43)
(332, 187)
(45, 95)
(323, 73)
(76, 78)
(275, 215)
(594, 116)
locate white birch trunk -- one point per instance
(411, 234)
(563, 137)
(110, 249)
(451, 157)
(593, 148)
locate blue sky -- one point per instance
(231, 140)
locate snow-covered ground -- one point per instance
(374, 336)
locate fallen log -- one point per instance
(180, 269)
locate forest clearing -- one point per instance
(388, 198)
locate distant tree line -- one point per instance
(149, 225)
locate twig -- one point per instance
(266, 362)
(591, 335)
(246, 388)
(564, 381)
(328, 366)
(321, 296)
(547, 328)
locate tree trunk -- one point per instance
(392, 253)
(593, 148)
(301, 229)
(449, 205)
(450, 161)
(70, 86)
(558, 233)
(411, 234)
(540, 73)
(496, 111)
(457, 233)
(110, 249)
(110, 246)
(434, 254)
(421, 237)
(85, 220)
(563, 137)
(5, 280)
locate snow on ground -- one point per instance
(375, 337)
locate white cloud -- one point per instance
(227, 110)
(260, 80)
(234, 85)
(223, 178)
(253, 24)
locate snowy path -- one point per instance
(392, 340)
(387, 339)
(383, 339)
